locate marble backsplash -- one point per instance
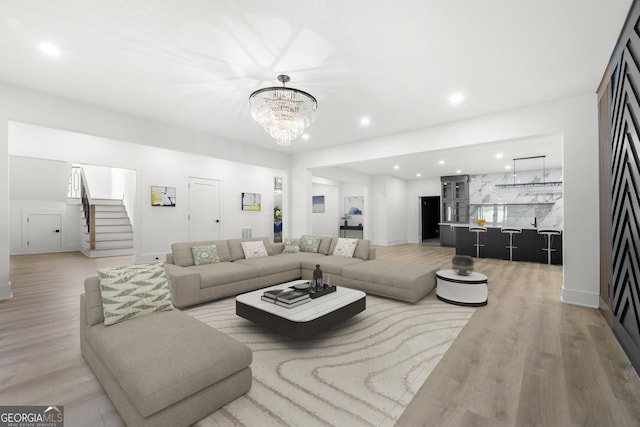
(528, 201)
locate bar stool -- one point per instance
(511, 231)
(477, 230)
(548, 234)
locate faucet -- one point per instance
(535, 222)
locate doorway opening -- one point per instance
(430, 219)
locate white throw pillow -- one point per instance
(345, 247)
(133, 291)
(254, 249)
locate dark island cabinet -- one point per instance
(528, 246)
(447, 236)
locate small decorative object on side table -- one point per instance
(462, 264)
(346, 218)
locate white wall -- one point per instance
(327, 223)
(156, 227)
(123, 183)
(37, 179)
(39, 186)
(349, 184)
(355, 190)
(99, 178)
(573, 118)
(389, 202)
(29, 106)
(71, 231)
(5, 283)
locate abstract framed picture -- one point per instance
(317, 204)
(163, 196)
(353, 205)
(251, 202)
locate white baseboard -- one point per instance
(581, 298)
(5, 291)
(23, 251)
(161, 257)
(390, 243)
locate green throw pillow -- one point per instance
(206, 254)
(133, 291)
(291, 246)
(309, 243)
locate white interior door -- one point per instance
(44, 232)
(204, 209)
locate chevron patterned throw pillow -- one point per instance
(133, 291)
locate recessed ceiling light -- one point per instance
(418, 174)
(458, 171)
(507, 167)
(441, 162)
(305, 136)
(456, 98)
(499, 156)
(396, 167)
(49, 49)
(365, 121)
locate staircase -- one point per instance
(113, 233)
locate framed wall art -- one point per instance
(251, 202)
(317, 204)
(353, 205)
(163, 196)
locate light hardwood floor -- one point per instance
(524, 359)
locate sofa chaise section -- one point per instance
(162, 369)
(404, 281)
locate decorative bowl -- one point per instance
(462, 265)
(481, 222)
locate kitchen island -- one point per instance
(528, 245)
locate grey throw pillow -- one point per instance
(205, 254)
(133, 291)
(291, 246)
(309, 243)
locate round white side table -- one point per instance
(471, 290)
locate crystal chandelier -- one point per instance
(283, 112)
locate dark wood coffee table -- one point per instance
(303, 321)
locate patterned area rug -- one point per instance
(362, 373)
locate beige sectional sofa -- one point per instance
(162, 369)
(192, 284)
(234, 274)
(202, 369)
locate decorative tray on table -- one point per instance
(321, 292)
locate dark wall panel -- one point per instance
(625, 188)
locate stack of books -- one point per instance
(286, 297)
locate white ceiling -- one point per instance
(194, 63)
(476, 159)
